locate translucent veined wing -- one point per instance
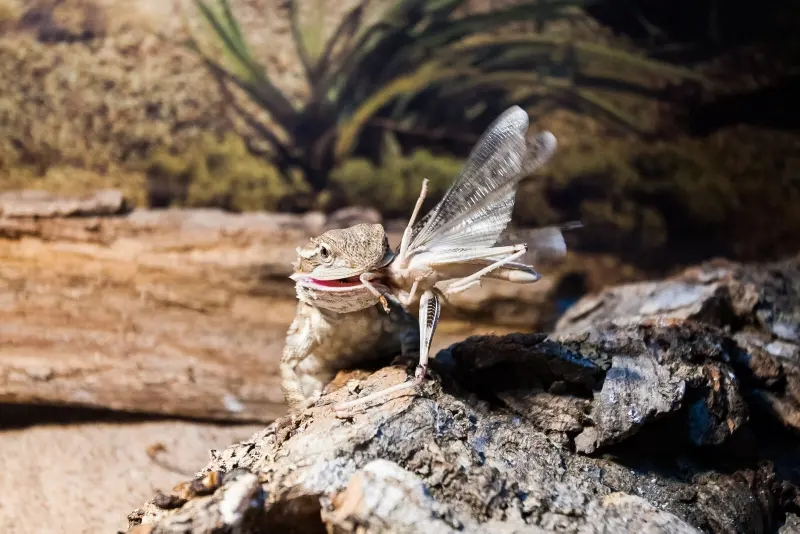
(478, 206)
(545, 245)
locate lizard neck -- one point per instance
(341, 302)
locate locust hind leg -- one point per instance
(429, 310)
(468, 281)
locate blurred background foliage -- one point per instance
(419, 66)
(677, 140)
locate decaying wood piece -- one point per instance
(756, 308)
(657, 427)
(33, 203)
(792, 525)
(648, 371)
(457, 465)
(382, 495)
(171, 312)
(180, 312)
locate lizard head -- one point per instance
(335, 260)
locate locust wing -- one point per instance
(545, 245)
(478, 206)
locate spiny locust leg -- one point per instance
(468, 281)
(429, 310)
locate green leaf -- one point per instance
(250, 75)
(351, 127)
(586, 53)
(429, 70)
(342, 36)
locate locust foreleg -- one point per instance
(407, 232)
(365, 279)
(409, 298)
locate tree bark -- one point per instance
(656, 407)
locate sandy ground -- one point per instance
(87, 477)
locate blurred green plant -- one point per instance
(219, 173)
(418, 67)
(732, 194)
(393, 184)
(70, 180)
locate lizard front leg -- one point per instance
(292, 388)
(301, 389)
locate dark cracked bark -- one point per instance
(659, 407)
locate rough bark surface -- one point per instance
(649, 409)
(180, 312)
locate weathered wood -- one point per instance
(502, 436)
(163, 318)
(33, 203)
(756, 308)
(174, 312)
(180, 312)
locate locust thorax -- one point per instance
(418, 268)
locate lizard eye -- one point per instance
(324, 252)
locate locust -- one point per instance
(459, 242)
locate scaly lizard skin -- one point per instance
(339, 322)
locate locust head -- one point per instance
(328, 269)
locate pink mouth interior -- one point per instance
(344, 282)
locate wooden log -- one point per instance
(180, 313)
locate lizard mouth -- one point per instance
(342, 283)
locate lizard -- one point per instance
(340, 321)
